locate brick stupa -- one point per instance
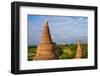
(45, 49)
(79, 50)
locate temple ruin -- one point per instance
(79, 50)
(45, 49)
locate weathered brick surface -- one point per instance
(79, 50)
(45, 49)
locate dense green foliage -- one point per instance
(67, 51)
(31, 52)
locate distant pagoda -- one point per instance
(45, 49)
(79, 50)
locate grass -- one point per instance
(67, 51)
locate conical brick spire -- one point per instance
(79, 50)
(45, 50)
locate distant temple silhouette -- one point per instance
(45, 49)
(79, 50)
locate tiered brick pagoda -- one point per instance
(79, 50)
(45, 49)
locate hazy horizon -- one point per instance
(63, 29)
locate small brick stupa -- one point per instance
(79, 50)
(45, 49)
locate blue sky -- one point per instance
(63, 29)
